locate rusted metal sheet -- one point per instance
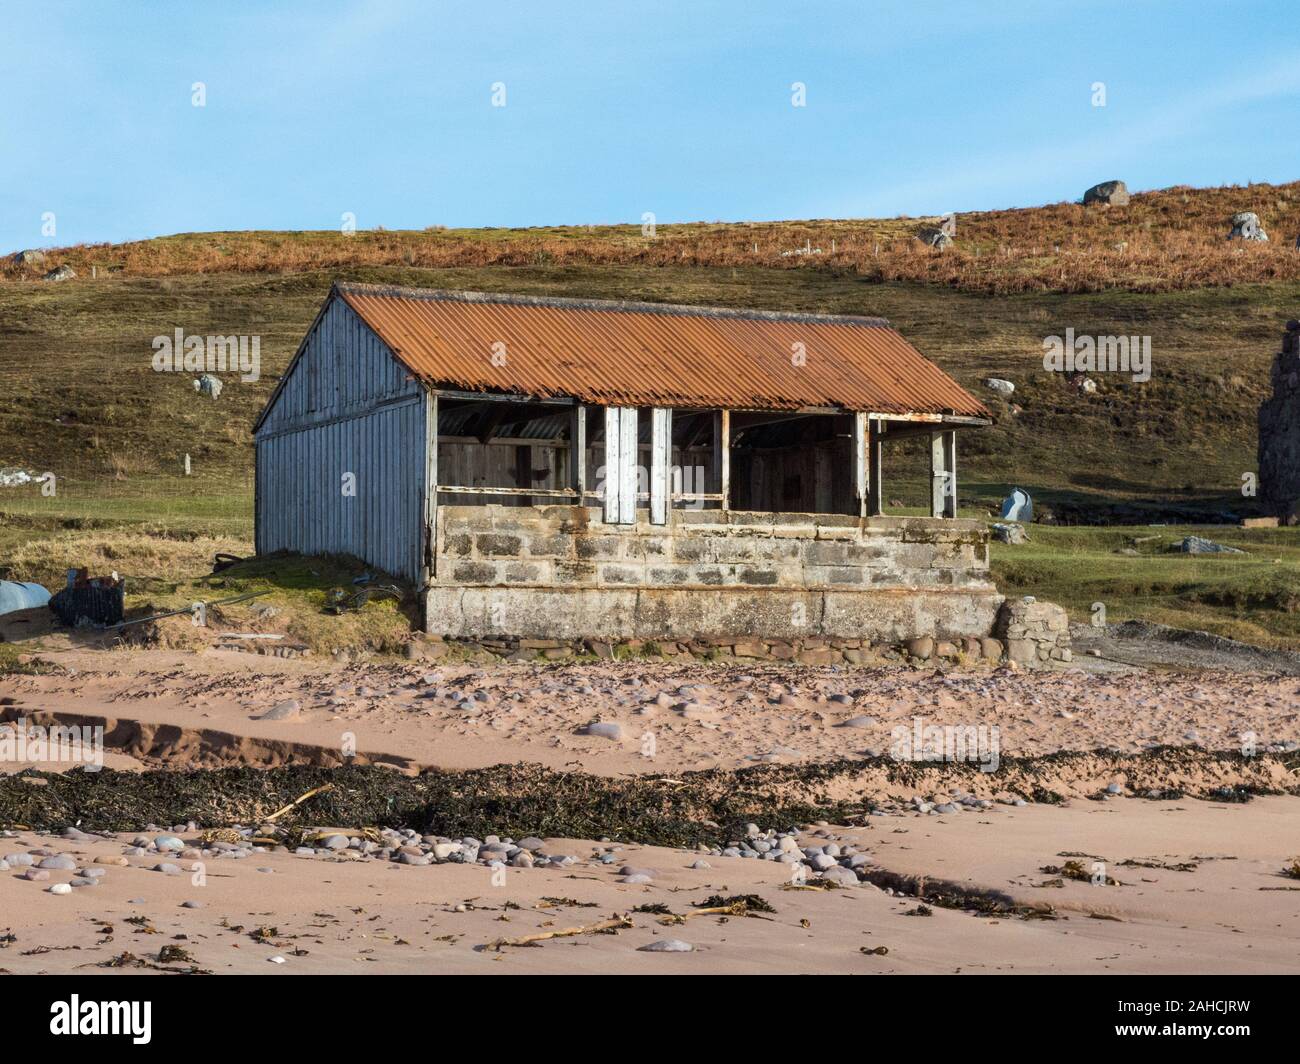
(642, 354)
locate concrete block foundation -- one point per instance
(560, 572)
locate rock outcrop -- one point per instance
(1108, 194)
(209, 385)
(31, 258)
(1245, 226)
(1279, 433)
(939, 236)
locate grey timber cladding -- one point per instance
(345, 406)
(343, 368)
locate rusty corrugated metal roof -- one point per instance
(648, 354)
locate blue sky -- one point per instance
(384, 109)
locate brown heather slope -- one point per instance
(1163, 240)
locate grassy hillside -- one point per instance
(78, 395)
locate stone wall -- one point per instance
(1279, 433)
(1037, 634)
(560, 572)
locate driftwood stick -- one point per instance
(298, 801)
(612, 924)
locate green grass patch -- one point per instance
(1254, 597)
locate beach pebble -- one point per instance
(286, 710)
(112, 860)
(843, 876)
(36, 874)
(531, 842)
(335, 842)
(60, 888)
(857, 722)
(191, 905)
(701, 865)
(168, 868)
(19, 860)
(606, 729)
(83, 881)
(60, 862)
(638, 879)
(168, 842)
(667, 945)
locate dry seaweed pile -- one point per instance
(703, 806)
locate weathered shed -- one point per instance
(537, 465)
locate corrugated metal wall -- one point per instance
(347, 407)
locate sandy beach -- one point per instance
(1198, 888)
(971, 879)
(700, 716)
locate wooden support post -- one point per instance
(613, 464)
(943, 473)
(875, 478)
(722, 455)
(661, 445)
(628, 473)
(578, 451)
(936, 474)
(861, 439)
(430, 566)
(950, 468)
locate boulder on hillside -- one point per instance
(1201, 545)
(1011, 534)
(938, 236)
(1245, 226)
(31, 257)
(208, 385)
(1002, 387)
(1108, 194)
(61, 273)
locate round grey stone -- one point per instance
(59, 862)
